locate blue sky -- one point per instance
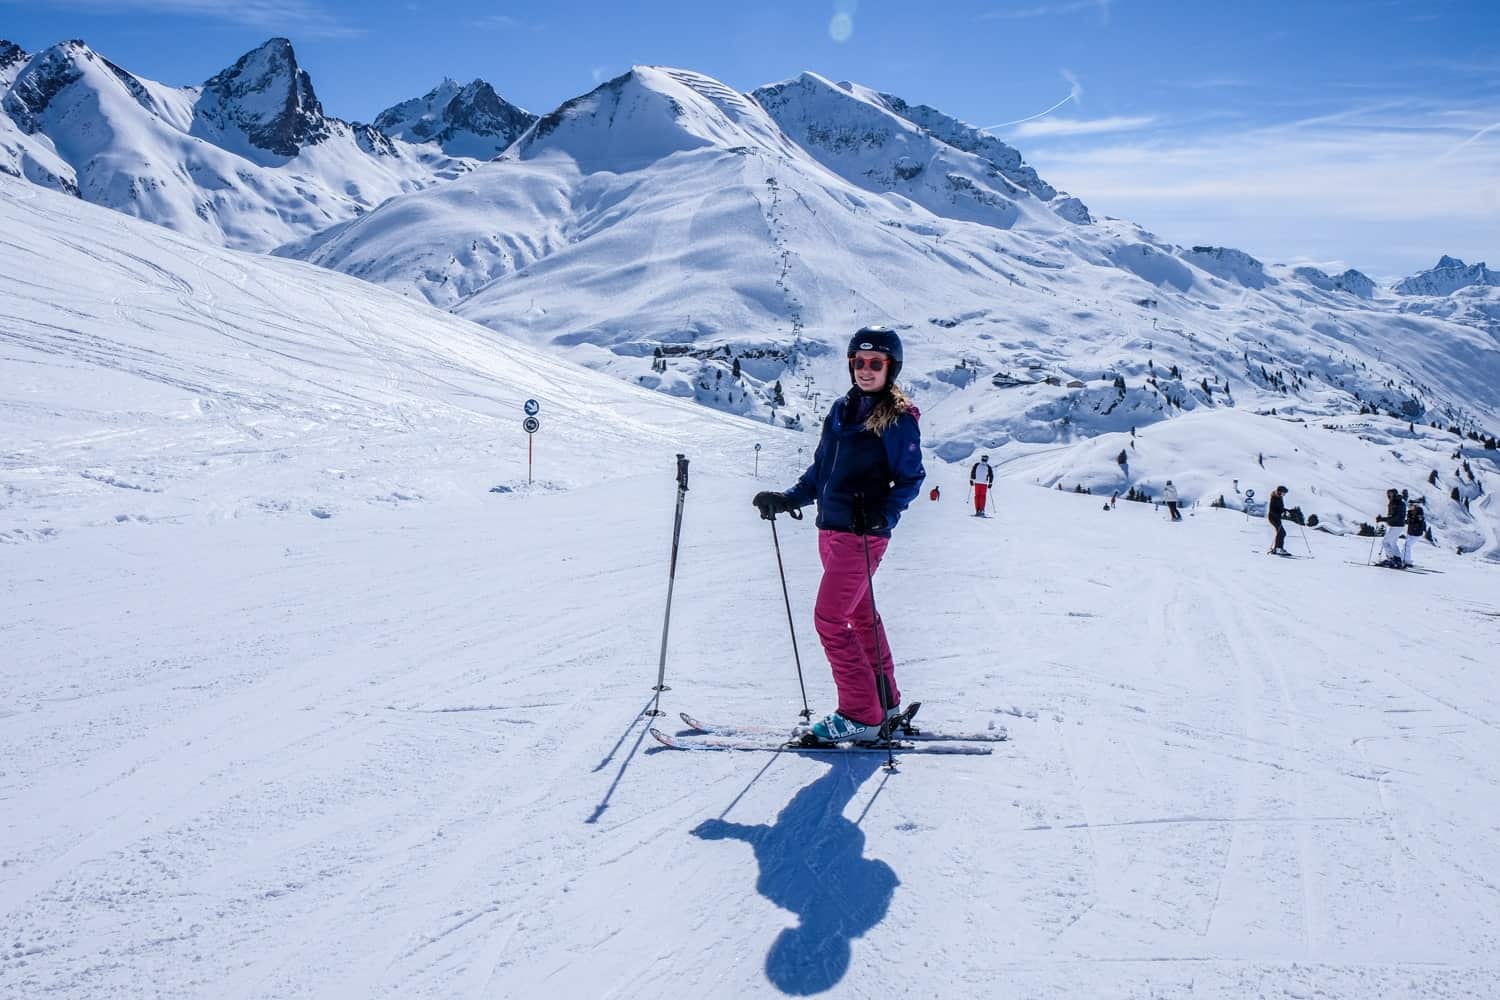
(1362, 134)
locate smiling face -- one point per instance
(866, 375)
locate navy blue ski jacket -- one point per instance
(850, 461)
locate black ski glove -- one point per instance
(868, 522)
(770, 503)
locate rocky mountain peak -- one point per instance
(268, 97)
(11, 54)
(48, 74)
(468, 120)
(1447, 277)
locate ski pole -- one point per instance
(882, 683)
(1371, 557)
(661, 670)
(1304, 538)
(796, 515)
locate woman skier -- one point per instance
(867, 469)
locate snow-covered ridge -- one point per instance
(673, 232)
(248, 160)
(28, 157)
(12, 58)
(880, 143)
(1448, 276)
(463, 120)
(645, 116)
(1230, 264)
(1351, 281)
(961, 135)
(150, 377)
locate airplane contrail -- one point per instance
(1075, 93)
(1473, 138)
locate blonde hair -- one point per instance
(892, 404)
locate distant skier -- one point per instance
(867, 469)
(1416, 527)
(981, 478)
(1395, 525)
(1275, 511)
(935, 494)
(1169, 497)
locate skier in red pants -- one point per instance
(867, 469)
(981, 477)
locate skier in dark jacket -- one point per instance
(1416, 527)
(867, 469)
(1395, 524)
(1275, 511)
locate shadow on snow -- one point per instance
(811, 863)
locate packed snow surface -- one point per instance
(293, 705)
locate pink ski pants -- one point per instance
(846, 623)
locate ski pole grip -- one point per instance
(682, 472)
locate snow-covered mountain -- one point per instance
(247, 160)
(881, 143)
(210, 366)
(686, 208)
(12, 59)
(721, 246)
(1448, 276)
(264, 105)
(724, 246)
(1351, 281)
(29, 157)
(463, 120)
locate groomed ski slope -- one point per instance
(396, 753)
(291, 705)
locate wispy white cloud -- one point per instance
(1074, 126)
(284, 17)
(496, 22)
(1049, 10)
(1385, 185)
(1470, 140)
(1208, 83)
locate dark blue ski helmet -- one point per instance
(877, 338)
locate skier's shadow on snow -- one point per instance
(812, 863)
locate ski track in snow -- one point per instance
(397, 751)
(302, 778)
